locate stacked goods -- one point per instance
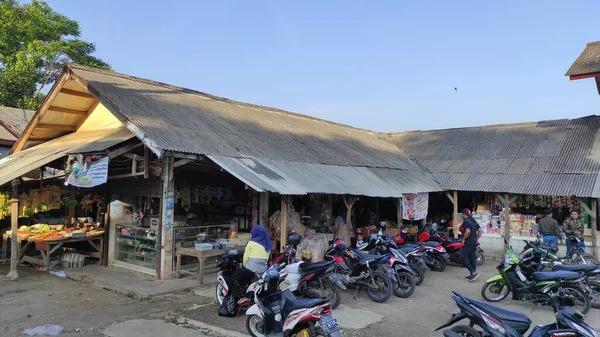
(293, 224)
(4, 205)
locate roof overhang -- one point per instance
(19, 164)
(294, 178)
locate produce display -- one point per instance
(54, 232)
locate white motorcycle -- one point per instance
(277, 312)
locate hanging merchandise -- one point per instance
(415, 206)
(205, 195)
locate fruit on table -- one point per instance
(49, 235)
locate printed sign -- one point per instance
(414, 206)
(86, 173)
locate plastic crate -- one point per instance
(73, 260)
(204, 246)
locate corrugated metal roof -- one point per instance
(588, 62)
(302, 178)
(186, 121)
(14, 119)
(21, 163)
(549, 157)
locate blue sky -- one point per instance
(381, 65)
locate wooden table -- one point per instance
(22, 248)
(201, 255)
(47, 248)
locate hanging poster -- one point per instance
(87, 170)
(414, 206)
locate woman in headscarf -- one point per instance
(256, 257)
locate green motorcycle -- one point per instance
(539, 289)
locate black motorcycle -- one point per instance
(498, 322)
(360, 272)
(417, 259)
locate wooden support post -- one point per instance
(586, 209)
(167, 253)
(349, 202)
(42, 169)
(399, 212)
(14, 244)
(455, 213)
(146, 162)
(594, 224)
(263, 209)
(283, 228)
(330, 205)
(507, 201)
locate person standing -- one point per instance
(470, 238)
(574, 227)
(550, 230)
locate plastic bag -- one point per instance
(47, 330)
(293, 224)
(229, 307)
(313, 249)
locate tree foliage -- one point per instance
(35, 44)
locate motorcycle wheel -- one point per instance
(406, 285)
(466, 331)
(480, 258)
(583, 303)
(254, 326)
(499, 287)
(333, 293)
(595, 295)
(385, 288)
(436, 262)
(219, 293)
(419, 274)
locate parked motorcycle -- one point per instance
(549, 258)
(277, 312)
(498, 322)
(417, 260)
(230, 261)
(394, 264)
(452, 245)
(360, 272)
(537, 290)
(436, 256)
(315, 280)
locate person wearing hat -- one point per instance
(470, 238)
(550, 230)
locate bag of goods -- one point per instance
(312, 249)
(293, 224)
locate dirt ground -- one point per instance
(38, 299)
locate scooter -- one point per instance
(230, 261)
(436, 257)
(538, 289)
(498, 322)
(452, 245)
(278, 313)
(315, 280)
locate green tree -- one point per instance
(35, 44)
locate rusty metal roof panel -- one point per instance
(588, 62)
(291, 178)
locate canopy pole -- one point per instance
(349, 202)
(594, 223)
(455, 213)
(507, 200)
(14, 244)
(283, 228)
(263, 209)
(399, 212)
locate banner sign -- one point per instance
(87, 170)
(414, 206)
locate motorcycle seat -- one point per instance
(313, 266)
(453, 239)
(579, 268)
(430, 243)
(516, 320)
(407, 249)
(303, 303)
(556, 275)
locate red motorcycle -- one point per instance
(452, 245)
(436, 255)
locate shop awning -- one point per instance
(293, 178)
(21, 163)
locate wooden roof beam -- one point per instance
(67, 110)
(58, 127)
(76, 93)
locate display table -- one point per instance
(201, 255)
(20, 241)
(48, 247)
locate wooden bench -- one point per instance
(201, 255)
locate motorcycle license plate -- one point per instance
(285, 285)
(330, 323)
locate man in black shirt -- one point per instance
(472, 233)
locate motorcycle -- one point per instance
(394, 264)
(436, 256)
(537, 290)
(315, 280)
(360, 273)
(549, 259)
(452, 245)
(498, 322)
(415, 255)
(577, 254)
(230, 261)
(277, 312)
